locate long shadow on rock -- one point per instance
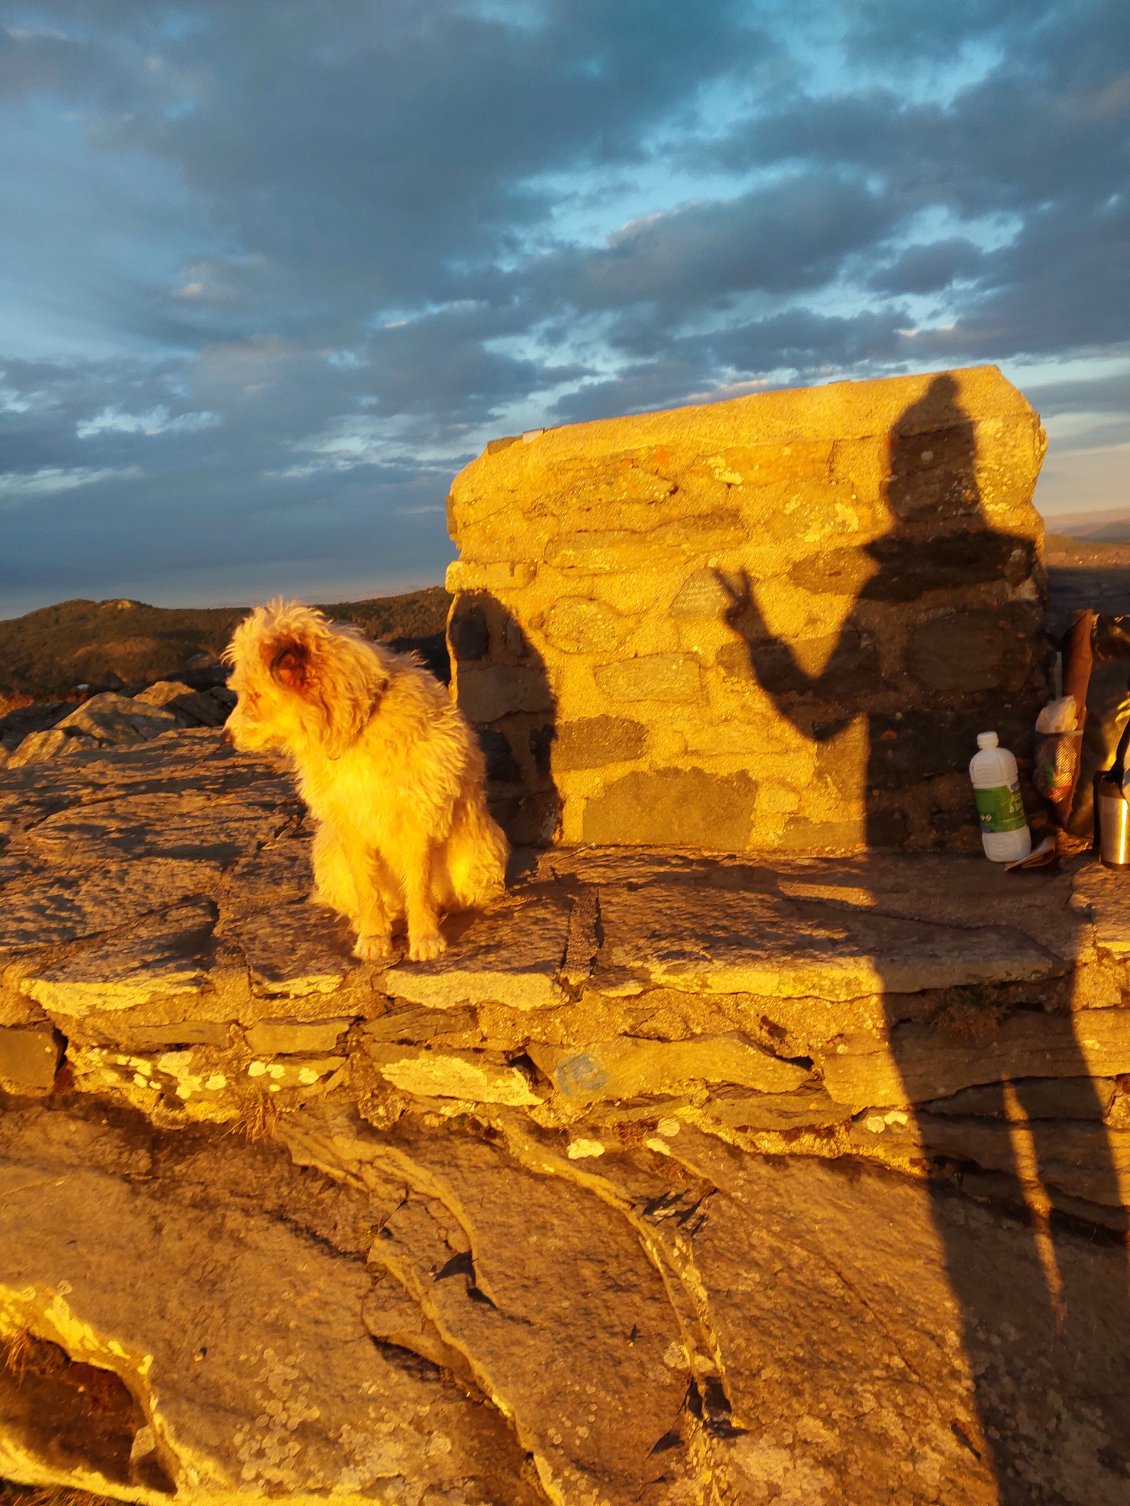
(1034, 1138)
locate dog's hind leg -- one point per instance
(476, 854)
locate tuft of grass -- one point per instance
(17, 1352)
(12, 1494)
(258, 1119)
(968, 1014)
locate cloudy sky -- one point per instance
(271, 271)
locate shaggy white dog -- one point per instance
(390, 770)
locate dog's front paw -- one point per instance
(425, 948)
(373, 947)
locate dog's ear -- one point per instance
(349, 699)
(289, 663)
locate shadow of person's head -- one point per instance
(931, 480)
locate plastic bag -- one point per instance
(1055, 763)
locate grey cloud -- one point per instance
(420, 134)
(1108, 393)
(637, 388)
(795, 345)
(808, 343)
(1061, 286)
(1048, 117)
(778, 238)
(441, 365)
(929, 268)
(902, 31)
(1005, 145)
(212, 524)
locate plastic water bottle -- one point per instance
(996, 788)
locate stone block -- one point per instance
(903, 567)
(299, 1074)
(37, 747)
(502, 768)
(652, 677)
(29, 1057)
(841, 668)
(922, 743)
(467, 631)
(15, 725)
(115, 718)
(510, 956)
(634, 1068)
(192, 708)
(163, 958)
(1104, 891)
(593, 741)
(678, 807)
(700, 595)
(463, 575)
(477, 1076)
(800, 834)
(292, 950)
(145, 1035)
(963, 653)
(802, 1108)
(923, 1062)
(414, 1023)
(487, 694)
(1038, 1097)
(579, 625)
(600, 551)
(480, 628)
(283, 1037)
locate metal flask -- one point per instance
(1112, 809)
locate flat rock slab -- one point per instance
(835, 929)
(226, 1317)
(108, 840)
(427, 1314)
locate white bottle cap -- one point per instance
(987, 740)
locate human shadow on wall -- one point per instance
(503, 690)
(1019, 1128)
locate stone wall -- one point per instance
(776, 623)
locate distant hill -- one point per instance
(1110, 525)
(49, 652)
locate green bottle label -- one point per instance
(1000, 808)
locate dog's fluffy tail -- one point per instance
(475, 853)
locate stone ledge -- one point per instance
(157, 924)
(677, 1174)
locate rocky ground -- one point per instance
(1087, 576)
(677, 1179)
(57, 729)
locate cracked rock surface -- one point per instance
(676, 1179)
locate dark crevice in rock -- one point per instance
(73, 1415)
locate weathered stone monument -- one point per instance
(775, 623)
